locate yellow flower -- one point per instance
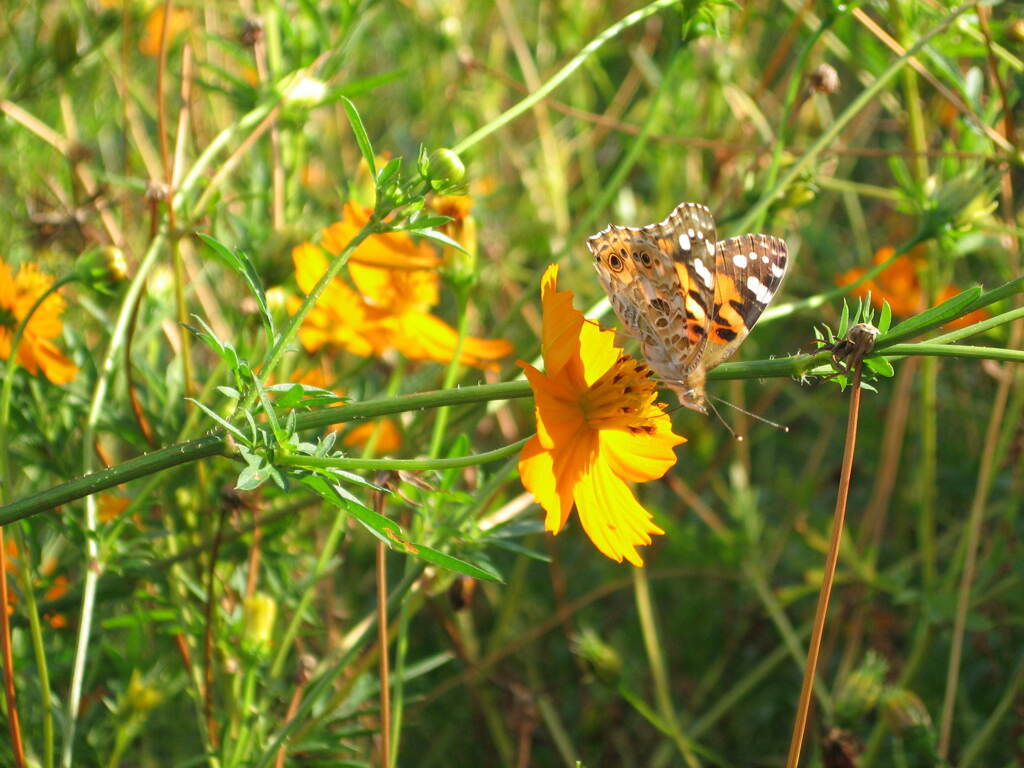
(598, 428)
(36, 351)
(390, 306)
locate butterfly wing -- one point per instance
(748, 272)
(660, 281)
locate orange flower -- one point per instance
(178, 22)
(395, 249)
(900, 285)
(387, 438)
(390, 306)
(36, 352)
(598, 428)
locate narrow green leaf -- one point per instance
(940, 315)
(240, 262)
(844, 321)
(432, 555)
(433, 234)
(885, 319)
(223, 422)
(359, 131)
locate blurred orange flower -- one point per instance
(387, 439)
(900, 285)
(36, 351)
(390, 305)
(598, 428)
(178, 22)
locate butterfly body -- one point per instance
(688, 298)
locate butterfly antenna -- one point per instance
(739, 438)
(751, 415)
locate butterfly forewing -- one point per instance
(660, 281)
(749, 270)
(689, 299)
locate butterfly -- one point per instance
(689, 299)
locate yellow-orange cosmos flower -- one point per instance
(900, 285)
(390, 306)
(598, 428)
(36, 351)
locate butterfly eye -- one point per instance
(645, 259)
(615, 263)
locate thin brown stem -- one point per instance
(832, 559)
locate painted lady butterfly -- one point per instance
(689, 299)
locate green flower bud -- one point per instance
(445, 169)
(861, 690)
(140, 697)
(601, 659)
(102, 269)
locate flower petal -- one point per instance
(310, 265)
(422, 336)
(537, 472)
(638, 457)
(559, 416)
(611, 515)
(562, 323)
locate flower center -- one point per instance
(620, 399)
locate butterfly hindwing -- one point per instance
(749, 271)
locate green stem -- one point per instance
(38, 647)
(217, 444)
(563, 74)
(402, 464)
(93, 565)
(659, 669)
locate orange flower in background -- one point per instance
(598, 428)
(395, 249)
(900, 285)
(390, 305)
(178, 22)
(385, 434)
(36, 351)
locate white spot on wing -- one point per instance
(684, 243)
(704, 273)
(759, 289)
(777, 271)
(765, 258)
(711, 248)
(740, 261)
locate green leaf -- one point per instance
(432, 555)
(433, 234)
(375, 523)
(223, 422)
(940, 315)
(359, 131)
(844, 321)
(880, 365)
(885, 319)
(242, 264)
